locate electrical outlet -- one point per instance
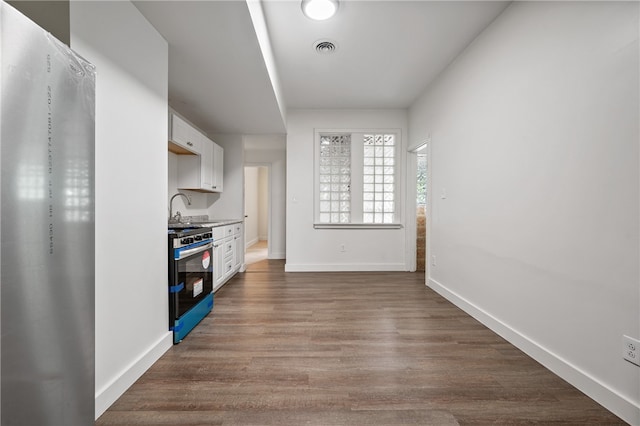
(433, 260)
(631, 350)
(342, 248)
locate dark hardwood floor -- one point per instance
(345, 349)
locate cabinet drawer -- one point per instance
(227, 231)
(218, 233)
(228, 248)
(228, 267)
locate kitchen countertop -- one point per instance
(202, 222)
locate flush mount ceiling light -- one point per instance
(319, 9)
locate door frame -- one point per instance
(412, 232)
(269, 201)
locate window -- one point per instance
(379, 178)
(335, 178)
(356, 179)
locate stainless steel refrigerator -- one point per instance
(47, 269)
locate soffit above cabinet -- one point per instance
(217, 75)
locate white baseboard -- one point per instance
(252, 242)
(278, 255)
(346, 267)
(627, 410)
(106, 396)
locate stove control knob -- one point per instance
(188, 240)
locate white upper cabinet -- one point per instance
(206, 169)
(218, 167)
(183, 138)
(200, 160)
(195, 172)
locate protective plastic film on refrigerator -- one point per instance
(47, 269)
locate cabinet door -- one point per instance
(195, 139)
(206, 165)
(218, 266)
(195, 172)
(184, 135)
(179, 130)
(238, 251)
(218, 167)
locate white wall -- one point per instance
(230, 203)
(200, 202)
(251, 205)
(276, 161)
(263, 203)
(312, 249)
(535, 140)
(131, 174)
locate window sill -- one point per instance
(357, 225)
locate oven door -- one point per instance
(193, 279)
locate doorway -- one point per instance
(256, 213)
(418, 194)
(421, 210)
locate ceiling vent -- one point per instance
(325, 46)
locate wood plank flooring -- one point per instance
(345, 349)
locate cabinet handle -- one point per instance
(189, 143)
(214, 187)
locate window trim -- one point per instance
(357, 197)
(357, 225)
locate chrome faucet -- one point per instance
(177, 218)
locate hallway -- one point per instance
(256, 253)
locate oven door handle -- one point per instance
(187, 253)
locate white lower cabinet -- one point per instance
(228, 257)
(238, 246)
(218, 265)
(227, 252)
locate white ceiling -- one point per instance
(388, 52)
